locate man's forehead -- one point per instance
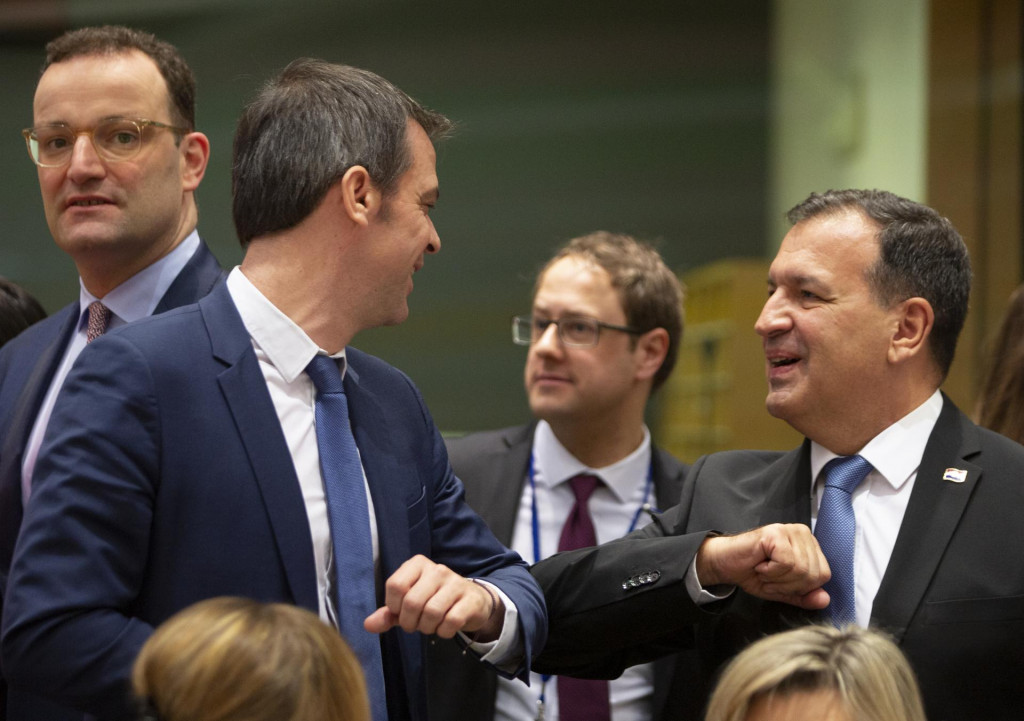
(94, 78)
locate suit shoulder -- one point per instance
(464, 450)
(743, 462)
(996, 444)
(497, 438)
(177, 336)
(364, 363)
(746, 472)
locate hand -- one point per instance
(430, 598)
(780, 562)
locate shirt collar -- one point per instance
(285, 344)
(554, 464)
(896, 452)
(139, 296)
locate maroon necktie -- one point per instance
(99, 318)
(581, 699)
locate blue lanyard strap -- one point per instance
(535, 528)
(535, 521)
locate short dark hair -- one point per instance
(920, 254)
(18, 310)
(305, 129)
(116, 40)
(650, 293)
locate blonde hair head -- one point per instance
(868, 673)
(235, 659)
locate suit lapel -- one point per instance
(789, 499)
(22, 420)
(931, 518)
(194, 281)
(511, 465)
(384, 472)
(245, 392)
(667, 474)
(31, 397)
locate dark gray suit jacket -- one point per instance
(493, 466)
(952, 595)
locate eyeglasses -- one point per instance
(115, 140)
(576, 331)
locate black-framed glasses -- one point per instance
(116, 139)
(577, 331)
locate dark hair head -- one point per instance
(116, 40)
(18, 310)
(920, 255)
(650, 294)
(305, 129)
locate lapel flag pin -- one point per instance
(957, 475)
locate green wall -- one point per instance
(650, 119)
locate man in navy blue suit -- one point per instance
(183, 460)
(119, 160)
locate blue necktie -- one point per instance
(836, 530)
(354, 583)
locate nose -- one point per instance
(549, 343)
(774, 318)
(85, 163)
(434, 242)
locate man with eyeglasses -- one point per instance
(603, 334)
(242, 447)
(119, 160)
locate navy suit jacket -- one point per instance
(493, 465)
(165, 479)
(952, 595)
(27, 366)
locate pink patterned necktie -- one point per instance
(99, 318)
(581, 699)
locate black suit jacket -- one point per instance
(952, 595)
(493, 466)
(27, 366)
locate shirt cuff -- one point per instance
(506, 653)
(698, 594)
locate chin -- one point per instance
(776, 407)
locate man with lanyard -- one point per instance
(603, 335)
(119, 160)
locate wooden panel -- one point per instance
(974, 159)
(714, 401)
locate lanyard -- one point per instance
(535, 528)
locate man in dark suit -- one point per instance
(867, 296)
(195, 454)
(603, 334)
(119, 161)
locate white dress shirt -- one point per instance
(284, 350)
(881, 499)
(136, 298)
(612, 507)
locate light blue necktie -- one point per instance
(836, 530)
(354, 584)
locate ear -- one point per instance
(914, 320)
(650, 352)
(359, 196)
(195, 154)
